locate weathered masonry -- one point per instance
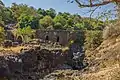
(61, 36)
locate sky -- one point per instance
(58, 5)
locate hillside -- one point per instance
(103, 64)
(104, 61)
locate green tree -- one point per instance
(25, 32)
(21, 9)
(1, 21)
(65, 15)
(80, 26)
(46, 22)
(7, 16)
(51, 12)
(58, 26)
(26, 20)
(70, 22)
(41, 12)
(60, 19)
(93, 39)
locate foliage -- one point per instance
(60, 19)
(6, 16)
(65, 15)
(70, 21)
(93, 39)
(51, 12)
(2, 34)
(21, 9)
(46, 22)
(23, 15)
(58, 26)
(26, 20)
(80, 26)
(25, 32)
(41, 12)
(1, 21)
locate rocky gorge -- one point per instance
(36, 63)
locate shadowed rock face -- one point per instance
(35, 63)
(30, 65)
(76, 57)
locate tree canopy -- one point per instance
(23, 16)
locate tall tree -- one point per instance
(46, 22)
(60, 19)
(51, 12)
(41, 12)
(20, 9)
(26, 20)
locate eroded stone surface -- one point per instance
(30, 65)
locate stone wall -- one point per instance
(61, 36)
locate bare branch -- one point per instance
(95, 4)
(93, 11)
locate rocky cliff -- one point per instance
(32, 64)
(104, 64)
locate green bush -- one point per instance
(2, 34)
(26, 33)
(93, 39)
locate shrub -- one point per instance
(111, 31)
(93, 39)
(58, 26)
(2, 34)
(26, 33)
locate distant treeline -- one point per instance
(23, 16)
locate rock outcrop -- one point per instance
(104, 64)
(33, 64)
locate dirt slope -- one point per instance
(104, 64)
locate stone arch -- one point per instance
(58, 39)
(47, 38)
(19, 39)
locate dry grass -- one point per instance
(14, 49)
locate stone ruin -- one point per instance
(61, 37)
(35, 63)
